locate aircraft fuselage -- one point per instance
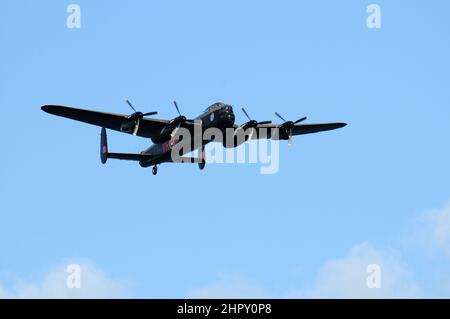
(218, 115)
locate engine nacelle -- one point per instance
(241, 135)
(169, 129)
(128, 125)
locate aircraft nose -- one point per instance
(228, 118)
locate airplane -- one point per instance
(161, 132)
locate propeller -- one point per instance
(289, 125)
(252, 123)
(136, 117)
(178, 121)
(176, 106)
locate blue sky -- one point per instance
(375, 191)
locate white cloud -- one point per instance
(94, 284)
(433, 231)
(346, 277)
(228, 286)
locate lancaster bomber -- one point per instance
(163, 133)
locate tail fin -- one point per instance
(103, 146)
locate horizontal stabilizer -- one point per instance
(130, 157)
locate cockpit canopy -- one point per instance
(217, 106)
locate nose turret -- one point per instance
(227, 116)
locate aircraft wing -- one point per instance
(147, 128)
(315, 128)
(298, 129)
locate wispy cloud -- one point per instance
(432, 231)
(346, 277)
(95, 283)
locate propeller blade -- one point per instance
(175, 131)
(251, 134)
(290, 138)
(128, 102)
(246, 114)
(149, 113)
(264, 122)
(176, 106)
(300, 120)
(139, 114)
(136, 127)
(280, 117)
